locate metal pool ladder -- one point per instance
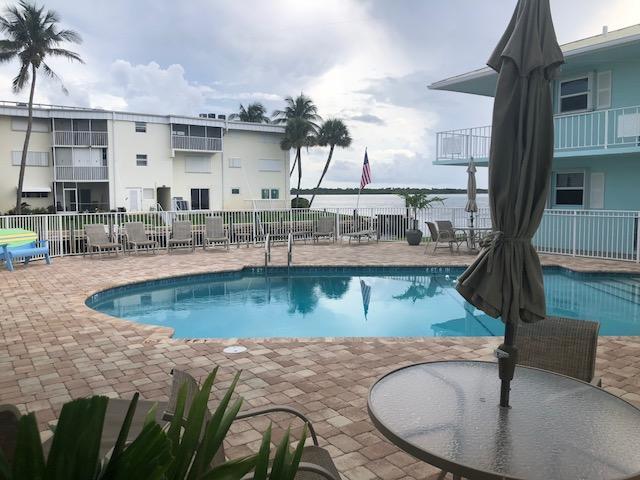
(289, 249)
(267, 251)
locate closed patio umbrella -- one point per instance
(472, 205)
(506, 278)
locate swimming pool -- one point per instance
(354, 302)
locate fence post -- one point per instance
(638, 237)
(575, 223)
(337, 223)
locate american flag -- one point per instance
(366, 296)
(366, 172)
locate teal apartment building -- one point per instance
(594, 198)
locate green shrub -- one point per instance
(299, 202)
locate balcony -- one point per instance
(599, 132)
(69, 173)
(80, 139)
(200, 144)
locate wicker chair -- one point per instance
(561, 345)
(136, 237)
(214, 233)
(181, 236)
(316, 463)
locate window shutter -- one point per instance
(596, 193)
(603, 93)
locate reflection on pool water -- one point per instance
(354, 302)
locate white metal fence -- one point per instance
(586, 233)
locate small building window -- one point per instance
(141, 160)
(141, 127)
(148, 194)
(199, 199)
(265, 194)
(270, 194)
(275, 194)
(235, 191)
(575, 94)
(195, 164)
(569, 189)
(235, 163)
(35, 194)
(34, 159)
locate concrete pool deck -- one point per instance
(54, 348)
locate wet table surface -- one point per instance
(447, 414)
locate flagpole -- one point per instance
(360, 189)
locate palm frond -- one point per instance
(21, 79)
(51, 74)
(68, 54)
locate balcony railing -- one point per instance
(597, 130)
(81, 173)
(80, 139)
(205, 144)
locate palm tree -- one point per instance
(301, 108)
(32, 35)
(254, 113)
(297, 135)
(334, 133)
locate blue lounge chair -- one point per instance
(26, 251)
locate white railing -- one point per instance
(183, 142)
(81, 173)
(586, 233)
(82, 139)
(595, 130)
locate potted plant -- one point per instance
(413, 203)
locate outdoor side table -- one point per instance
(557, 428)
(474, 234)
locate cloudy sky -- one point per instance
(368, 62)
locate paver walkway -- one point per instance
(53, 348)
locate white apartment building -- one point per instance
(89, 159)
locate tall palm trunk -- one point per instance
(324, 172)
(25, 148)
(295, 161)
(299, 171)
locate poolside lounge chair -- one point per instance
(561, 345)
(442, 238)
(324, 227)
(446, 227)
(181, 236)
(18, 243)
(362, 230)
(214, 233)
(135, 236)
(316, 463)
(97, 239)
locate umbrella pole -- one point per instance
(507, 358)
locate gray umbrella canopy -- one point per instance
(506, 278)
(472, 205)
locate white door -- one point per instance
(135, 199)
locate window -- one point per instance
(569, 189)
(98, 125)
(235, 163)
(80, 125)
(199, 199)
(194, 164)
(235, 191)
(275, 194)
(575, 94)
(268, 165)
(19, 124)
(34, 159)
(270, 194)
(141, 160)
(35, 194)
(141, 127)
(180, 130)
(148, 194)
(265, 194)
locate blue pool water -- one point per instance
(319, 302)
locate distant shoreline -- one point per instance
(378, 191)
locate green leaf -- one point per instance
(262, 464)
(5, 468)
(150, 417)
(76, 442)
(28, 461)
(193, 429)
(175, 427)
(215, 431)
(124, 433)
(231, 470)
(279, 461)
(294, 460)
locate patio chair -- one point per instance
(441, 238)
(98, 240)
(316, 463)
(446, 227)
(363, 228)
(135, 236)
(324, 227)
(214, 233)
(561, 345)
(181, 236)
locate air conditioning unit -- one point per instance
(178, 203)
(203, 115)
(211, 115)
(222, 117)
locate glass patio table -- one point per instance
(557, 428)
(474, 234)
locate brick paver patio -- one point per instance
(54, 348)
